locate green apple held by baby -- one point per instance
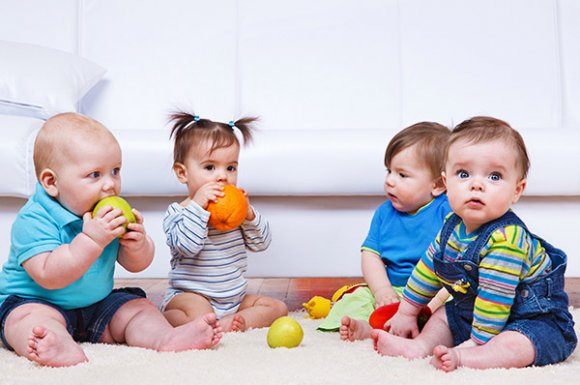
(117, 202)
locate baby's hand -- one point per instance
(250, 215)
(385, 296)
(135, 238)
(209, 192)
(403, 325)
(105, 226)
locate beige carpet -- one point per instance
(245, 358)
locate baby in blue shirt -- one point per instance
(404, 225)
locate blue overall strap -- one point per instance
(447, 230)
(473, 250)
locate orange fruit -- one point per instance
(230, 210)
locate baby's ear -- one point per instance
(47, 179)
(520, 187)
(180, 172)
(438, 185)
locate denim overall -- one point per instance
(540, 309)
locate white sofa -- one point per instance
(332, 82)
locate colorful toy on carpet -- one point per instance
(319, 307)
(384, 313)
(346, 289)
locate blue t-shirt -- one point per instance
(41, 226)
(401, 239)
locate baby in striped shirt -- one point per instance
(208, 265)
(509, 307)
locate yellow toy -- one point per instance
(346, 289)
(319, 307)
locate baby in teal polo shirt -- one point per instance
(56, 288)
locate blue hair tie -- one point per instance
(232, 124)
(195, 118)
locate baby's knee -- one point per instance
(140, 305)
(280, 307)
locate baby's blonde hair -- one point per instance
(57, 136)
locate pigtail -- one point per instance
(188, 131)
(181, 120)
(246, 127)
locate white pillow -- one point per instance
(41, 82)
(16, 166)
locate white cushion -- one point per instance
(16, 147)
(280, 162)
(555, 162)
(40, 82)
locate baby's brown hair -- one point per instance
(190, 131)
(481, 129)
(431, 140)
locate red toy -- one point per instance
(384, 313)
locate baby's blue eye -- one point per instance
(209, 167)
(116, 171)
(462, 174)
(495, 177)
(95, 174)
(232, 168)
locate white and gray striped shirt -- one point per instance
(207, 261)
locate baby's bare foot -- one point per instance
(351, 329)
(445, 359)
(389, 345)
(201, 333)
(50, 349)
(238, 324)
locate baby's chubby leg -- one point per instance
(186, 307)
(39, 332)
(139, 323)
(509, 349)
(255, 312)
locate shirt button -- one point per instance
(524, 293)
(467, 267)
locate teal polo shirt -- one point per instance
(41, 226)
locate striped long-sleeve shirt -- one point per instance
(208, 261)
(510, 256)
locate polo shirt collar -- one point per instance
(53, 207)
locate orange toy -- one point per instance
(230, 210)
